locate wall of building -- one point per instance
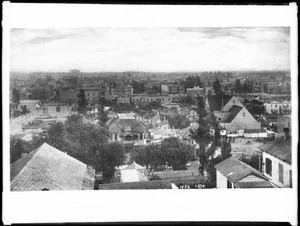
(242, 122)
(275, 170)
(221, 180)
(52, 111)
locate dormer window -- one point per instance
(244, 114)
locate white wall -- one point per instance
(275, 171)
(221, 180)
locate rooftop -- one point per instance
(137, 185)
(234, 170)
(279, 148)
(234, 110)
(48, 167)
(216, 102)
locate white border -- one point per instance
(165, 205)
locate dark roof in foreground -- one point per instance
(216, 102)
(234, 170)
(279, 148)
(137, 185)
(50, 168)
(234, 110)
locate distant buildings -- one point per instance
(276, 107)
(127, 128)
(55, 109)
(172, 89)
(47, 168)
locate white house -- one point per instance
(232, 173)
(276, 161)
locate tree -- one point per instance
(172, 151)
(207, 136)
(109, 157)
(15, 96)
(226, 148)
(217, 86)
(178, 121)
(238, 86)
(138, 87)
(82, 102)
(102, 116)
(18, 147)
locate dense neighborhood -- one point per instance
(140, 130)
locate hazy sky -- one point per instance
(150, 49)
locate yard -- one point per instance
(246, 146)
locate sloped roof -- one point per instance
(255, 131)
(132, 175)
(234, 110)
(186, 131)
(137, 185)
(234, 170)
(29, 101)
(279, 148)
(134, 165)
(216, 102)
(48, 167)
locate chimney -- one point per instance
(286, 133)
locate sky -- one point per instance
(150, 49)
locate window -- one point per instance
(244, 114)
(275, 105)
(233, 101)
(88, 94)
(58, 109)
(280, 169)
(291, 178)
(219, 119)
(268, 166)
(229, 185)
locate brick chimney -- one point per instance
(286, 133)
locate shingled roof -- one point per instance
(279, 148)
(48, 168)
(234, 170)
(216, 102)
(234, 110)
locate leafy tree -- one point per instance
(15, 96)
(102, 116)
(178, 121)
(238, 86)
(217, 86)
(171, 151)
(176, 153)
(226, 148)
(19, 147)
(207, 136)
(138, 87)
(109, 157)
(82, 102)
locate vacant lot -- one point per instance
(246, 146)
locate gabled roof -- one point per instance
(234, 170)
(234, 110)
(48, 167)
(134, 165)
(216, 102)
(137, 185)
(279, 148)
(120, 125)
